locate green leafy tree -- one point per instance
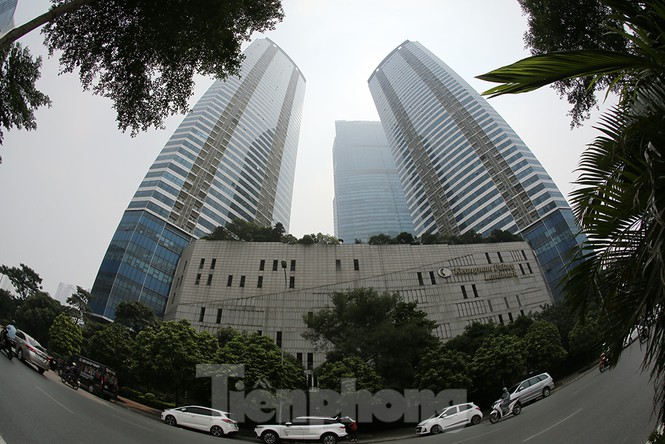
(502, 236)
(166, 356)
(404, 238)
(565, 25)
(225, 335)
(36, 314)
(265, 364)
(114, 346)
(543, 346)
(559, 314)
(619, 200)
(8, 305)
(65, 336)
(135, 315)
(380, 239)
(585, 340)
(289, 239)
(379, 328)
(326, 239)
(443, 368)
(499, 362)
(79, 302)
(307, 239)
(19, 99)
(474, 336)
(24, 279)
(520, 326)
(141, 54)
(330, 374)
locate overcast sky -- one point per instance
(64, 187)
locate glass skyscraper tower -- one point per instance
(462, 167)
(369, 198)
(232, 157)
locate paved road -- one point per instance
(36, 409)
(613, 407)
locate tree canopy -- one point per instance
(65, 337)
(379, 328)
(618, 201)
(141, 54)
(24, 279)
(79, 304)
(135, 315)
(265, 365)
(565, 25)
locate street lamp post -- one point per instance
(281, 346)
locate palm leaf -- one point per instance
(537, 71)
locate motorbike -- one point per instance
(71, 380)
(514, 408)
(7, 347)
(604, 363)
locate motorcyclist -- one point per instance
(72, 371)
(505, 400)
(8, 337)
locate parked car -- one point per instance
(217, 422)
(532, 388)
(28, 349)
(451, 417)
(303, 428)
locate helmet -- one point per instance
(505, 389)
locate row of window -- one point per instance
(243, 278)
(276, 264)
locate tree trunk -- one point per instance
(35, 23)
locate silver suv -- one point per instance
(304, 428)
(532, 388)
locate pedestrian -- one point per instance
(353, 431)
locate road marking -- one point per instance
(54, 400)
(554, 425)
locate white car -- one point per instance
(217, 422)
(451, 417)
(532, 388)
(303, 428)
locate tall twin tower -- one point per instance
(448, 164)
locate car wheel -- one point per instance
(41, 370)
(19, 355)
(270, 437)
(475, 420)
(546, 392)
(329, 438)
(91, 389)
(216, 431)
(170, 420)
(436, 430)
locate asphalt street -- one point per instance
(612, 407)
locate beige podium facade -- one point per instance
(269, 288)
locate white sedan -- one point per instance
(303, 428)
(452, 417)
(217, 422)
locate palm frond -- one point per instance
(534, 72)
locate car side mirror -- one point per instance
(288, 424)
